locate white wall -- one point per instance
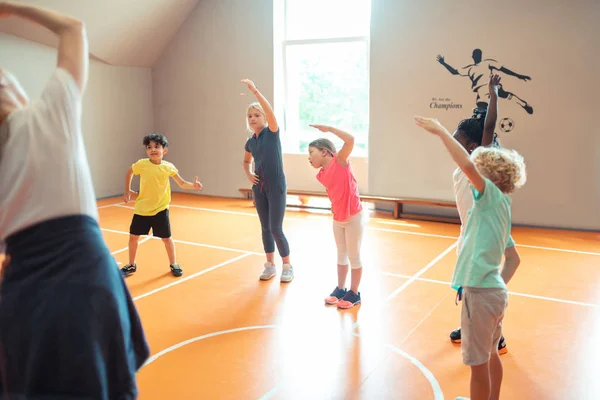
(197, 89)
(117, 108)
(198, 105)
(547, 40)
(197, 99)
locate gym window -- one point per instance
(322, 70)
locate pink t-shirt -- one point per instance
(342, 189)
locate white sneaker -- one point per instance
(268, 272)
(288, 273)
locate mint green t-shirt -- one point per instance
(486, 236)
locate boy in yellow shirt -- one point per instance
(152, 204)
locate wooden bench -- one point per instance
(396, 201)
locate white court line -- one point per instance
(210, 246)
(214, 210)
(127, 248)
(179, 345)
(187, 278)
(414, 233)
(114, 231)
(533, 296)
(428, 375)
(399, 223)
(420, 272)
(589, 253)
(371, 228)
(435, 386)
(122, 205)
(409, 282)
(456, 238)
(109, 205)
(411, 278)
(423, 319)
(269, 394)
(438, 394)
(198, 338)
(228, 212)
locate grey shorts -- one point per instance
(481, 323)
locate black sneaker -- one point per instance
(176, 270)
(502, 346)
(455, 336)
(128, 270)
(335, 296)
(350, 300)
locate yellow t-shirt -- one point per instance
(155, 188)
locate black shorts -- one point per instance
(160, 224)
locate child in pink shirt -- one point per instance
(348, 222)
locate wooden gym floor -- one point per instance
(220, 333)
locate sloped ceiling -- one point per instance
(120, 32)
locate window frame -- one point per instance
(282, 62)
